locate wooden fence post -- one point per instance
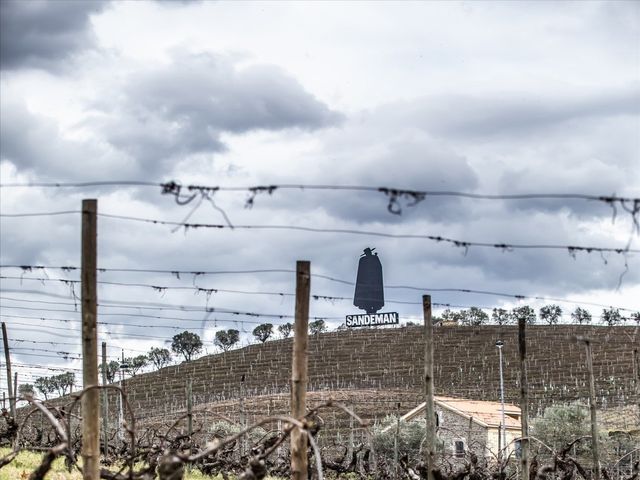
(243, 419)
(91, 398)
(299, 370)
(15, 391)
(395, 442)
(190, 408)
(430, 440)
(592, 409)
(7, 356)
(524, 400)
(636, 373)
(105, 402)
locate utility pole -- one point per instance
(524, 401)
(7, 356)
(299, 468)
(105, 402)
(90, 398)
(430, 440)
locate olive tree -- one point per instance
(110, 370)
(263, 332)
(187, 344)
(500, 316)
(225, 339)
(285, 329)
(551, 314)
(525, 312)
(317, 326)
(136, 363)
(159, 357)
(581, 316)
(611, 316)
(474, 316)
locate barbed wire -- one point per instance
(464, 244)
(201, 309)
(393, 194)
(197, 273)
(208, 291)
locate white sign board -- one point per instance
(372, 319)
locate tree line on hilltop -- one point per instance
(548, 315)
(185, 345)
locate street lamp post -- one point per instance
(500, 344)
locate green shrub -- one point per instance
(410, 437)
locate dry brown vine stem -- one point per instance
(216, 445)
(16, 443)
(44, 467)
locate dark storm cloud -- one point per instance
(40, 33)
(183, 108)
(573, 143)
(397, 160)
(160, 117)
(34, 143)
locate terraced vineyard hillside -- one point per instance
(391, 362)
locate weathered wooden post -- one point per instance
(430, 440)
(15, 390)
(7, 357)
(105, 402)
(299, 370)
(524, 400)
(91, 398)
(190, 408)
(395, 442)
(592, 410)
(636, 373)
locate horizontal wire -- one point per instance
(198, 289)
(572, 249)
(102, 183)
(199, 309)
(39, 214)
(66, 329)
(43, 367)
(517, 296)
(24, 340)
(273, 187)
(457, 243)
(203, 310)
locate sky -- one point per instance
(492, 98)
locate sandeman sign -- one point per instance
(372, 319)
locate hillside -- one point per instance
(390, 360)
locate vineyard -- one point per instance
(311, 240)
(230, 412)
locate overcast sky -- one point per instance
(484, 97)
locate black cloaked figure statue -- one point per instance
(369, 294)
